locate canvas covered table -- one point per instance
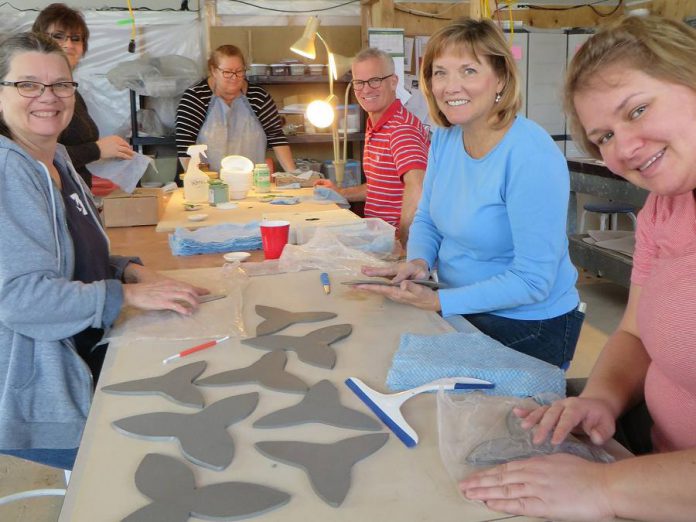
(395, 483)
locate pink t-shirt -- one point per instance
(664, 265)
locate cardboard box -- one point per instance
(143, 207)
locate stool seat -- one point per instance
(610, 208)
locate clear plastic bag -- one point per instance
(164, 76)
(135, 324)
(477, 431)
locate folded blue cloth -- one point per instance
(290, 200)
(421, 359)
(326, 194)
(228, 237)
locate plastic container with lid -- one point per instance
(279, 69)
(316, 69)
(236, 172)
(259, 69)
(297, 69)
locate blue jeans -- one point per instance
(57, 458)
(551, 340)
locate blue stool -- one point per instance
(605, 210)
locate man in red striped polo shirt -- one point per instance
(396, 145)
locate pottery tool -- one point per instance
(388, 406)
(210, 297)
(435, 285)
(325, 282)
(194, 349)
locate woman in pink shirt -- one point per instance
(631, 95)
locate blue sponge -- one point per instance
(424, 358)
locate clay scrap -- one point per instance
(312, 348)
(202, 436)
(268, 371)
(276, 318)
(176, 385)
(329, 466)
(323, 405)
(172, 487)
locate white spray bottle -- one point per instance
(195, 180)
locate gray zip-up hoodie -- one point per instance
(45, 387)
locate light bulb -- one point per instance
(320, 114)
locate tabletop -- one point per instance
(251, 208)
(395, 483)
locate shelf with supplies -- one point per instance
(323, 137)
(289, 79)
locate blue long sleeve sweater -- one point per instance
(495, 227)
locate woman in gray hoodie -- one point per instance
(59, 288)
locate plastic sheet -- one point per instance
(228, 237)
(477, 430)
(168, 325)
(165, 76)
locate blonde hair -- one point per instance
(484, 39)
(661, 48)
(228, 51)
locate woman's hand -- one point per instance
(593, 415)
(416, 269)
(408, 293)
(163, 294)
(558, 487)
(114, 147)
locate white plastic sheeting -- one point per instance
(287, 12)
(158, 34)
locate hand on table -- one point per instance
(407, 292)
(114, 147)
(593, 416)
(163, 294)
(557, 487)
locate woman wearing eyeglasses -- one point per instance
(230, 115)
(81, 137)
(59, 288)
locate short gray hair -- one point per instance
(371, 53)
(24, 43)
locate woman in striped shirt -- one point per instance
(229, 115)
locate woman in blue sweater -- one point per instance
(492, 216)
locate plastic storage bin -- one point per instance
(353, 117)
(352, 176)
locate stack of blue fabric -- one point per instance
(421, 359)
(228, 237)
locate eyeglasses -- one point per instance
(372, 82)
(36, 89)
(241, 73)
(63, 37)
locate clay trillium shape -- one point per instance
(268, 371)
(276, 319)
(321, 404)
(176, 385)
(172, 487)
(312, 348)
(202, 436)
(329, 466)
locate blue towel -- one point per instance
(291, 200)
(326, 194)
(228, 237)
(421, 359)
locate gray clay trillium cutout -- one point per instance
(175, 498)
(275, 319)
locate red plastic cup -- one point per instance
(274, 237)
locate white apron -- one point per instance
(232, 129)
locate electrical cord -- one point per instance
(288, 11)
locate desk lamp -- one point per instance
(322, 113)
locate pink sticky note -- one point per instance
(516, 52)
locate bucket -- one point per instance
(236, 172)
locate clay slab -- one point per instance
(276, 318)
(172, 487)
(323, 405)
(268, 371)
(202, 436)
(176, 385)
(312, 348)
(329, 466)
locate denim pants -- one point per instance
(551, 340)
(57, 458)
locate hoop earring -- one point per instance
(498, 97)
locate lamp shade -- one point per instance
(305, 45)
(338, 65)
(320, 113)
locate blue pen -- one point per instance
(325, 281)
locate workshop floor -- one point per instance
(605, 303)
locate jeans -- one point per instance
(551, 340)
(57, 458)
